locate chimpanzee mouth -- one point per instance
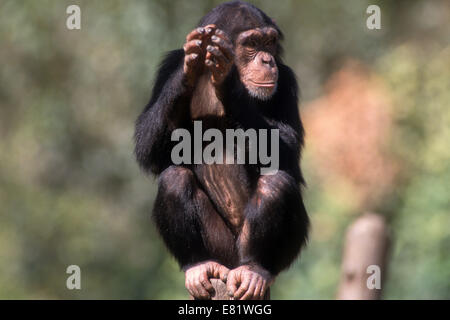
(265, 84)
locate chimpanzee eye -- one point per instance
(252, 43)
(270, 42)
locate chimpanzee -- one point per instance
(227, 221)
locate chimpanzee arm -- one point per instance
(276, 222)
(167, 110)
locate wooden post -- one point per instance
(220, 289)
(366, 244)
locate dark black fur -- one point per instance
(191, 226)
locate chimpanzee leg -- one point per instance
(187, 221)
(276, 223)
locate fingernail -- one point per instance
(199, 42)
(208, 30)
(200, 30)
(209, 48)
(194, 56)
(213, 38)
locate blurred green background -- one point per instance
(375, 104)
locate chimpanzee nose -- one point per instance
(267, 58)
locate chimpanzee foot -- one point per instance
(197, 278)
(248, 282)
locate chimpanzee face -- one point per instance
(255, 53)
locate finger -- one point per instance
(191, 59)
(263, 290)
(258, 288)
(195, 34)
(206, 283)
(193, 46)
(222, 34)
(223, 273)
(232, 283)
(224, 44)
(189, 289)
(219, 58)
(202, 293)
(210, 64)
(251, 289)
(217, 72)
(210, 29)
(193, 290)
(216, 69)
(218, 271)
(243, 287)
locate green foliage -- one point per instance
(70, 190)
